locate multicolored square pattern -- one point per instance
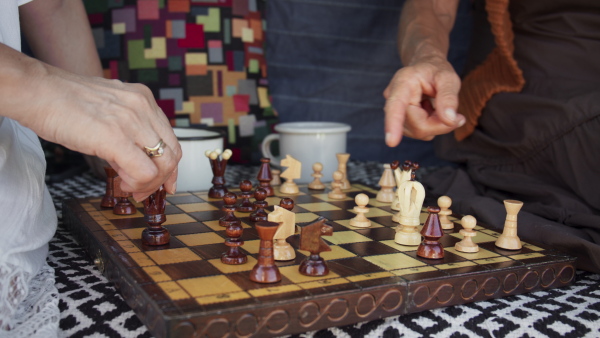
(203, 60)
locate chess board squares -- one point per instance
(200, 206)
(129, 223)
(201, 239)
(210, 286)
(343, 237)
(346, 223)
(378, 233)
(178, 219)
(203, 216)
(214, 225)
(336, 252)
(370, 248)
(319, 206)
(394, 261)
(173, 290)
(157, 274)
(306, 217)
(229, 268)
(186, 270)
(291, 273)
(374, 212)
(399, 247)
(481, 254)
(185, 198)
(171, 256)
(187, 228)
(481, 237)
(326, 198)
(110, 215)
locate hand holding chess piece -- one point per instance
(361, 221)
(154, 215)
(218, 166)
(124, 205)
(467, 245)
(509, 239)
(316, 184)
(282, 214)
(109, 200)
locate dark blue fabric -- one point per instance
(331, 60)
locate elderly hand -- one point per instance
(421, 101)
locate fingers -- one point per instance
(402, 91)
(447, 86)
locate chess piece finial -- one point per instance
(361, 221)
(218, 163)
(109, 200)
(387, 184)
(509, 239)
(154, 215)
(467, 245)
(444, 202)
(293, 172)
(265, 270)
(124, 205)
(343, 167)
(311, 241)
(431, 247)
(233, 231)
(259, 214)
(336, 185)
(283, 215)
(316, 184)
(245, 195)
(264, 176)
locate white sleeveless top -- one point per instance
(28, 297)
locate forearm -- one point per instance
(59, 34)
(424, 29)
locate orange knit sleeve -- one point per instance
(498, 73)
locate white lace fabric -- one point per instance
(28, 306)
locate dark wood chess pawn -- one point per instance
(311, 241)
(259, 214)
(218, 163)
(432, 232)
(154, 215)
(265, 270)
(245, 205)
(234, 231)
(264, 176)
(109, 200)
(229, 208)
(123, 205)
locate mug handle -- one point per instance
(265, 148)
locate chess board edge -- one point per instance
(374, 300)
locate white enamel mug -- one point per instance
(194, 172)
(309, 142)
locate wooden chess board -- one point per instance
(183, 289)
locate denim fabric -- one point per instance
(331, 60)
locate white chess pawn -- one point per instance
(444, 203)
(361, 221)
(276, 180)
(316, 184)
(467, 245)
(337, 193)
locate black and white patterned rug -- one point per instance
(92, 307)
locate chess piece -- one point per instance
(311, 241)
(361, 221)
(316, 184)
(265, 270)
(109, 200)
(342, 166)
(431, 247)
(467, 245)
(123, 205)
(229, 208)
(336, 185)
(276, 181)
(264, 176)
(233, 231)
(412, 197)
(387, 184)
(259, 213)
(509, 239)
(218, 163)
(154, 215)
(245, 195)
(292, 173)
(282, 214)
(401, 174)
(444, 202)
